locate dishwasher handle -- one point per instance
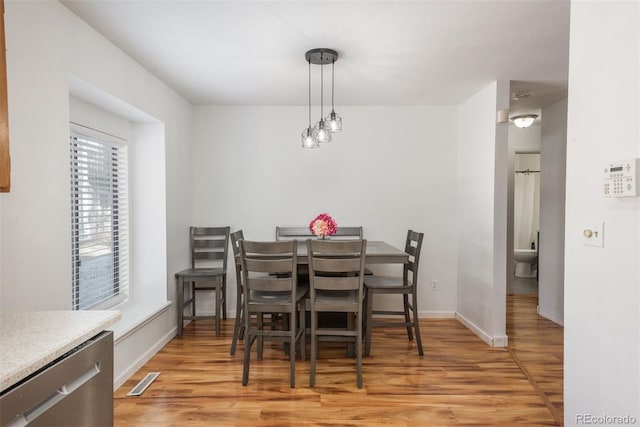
(54, 398)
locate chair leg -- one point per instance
(237, 326)
(224, 297)
(218, 308)
(314, 349)
(285, 327)
(407, 319)
(180, 291)
(359, 349)
(260, 328)
(350, 327)
(193, 298)
(248, 342)
(416, 322)
(303, 335)
(292, 347)
(367, 339)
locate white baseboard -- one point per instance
(437, 314)
(551, 317)
(497, 341)
(144, 358)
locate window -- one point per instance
(99, 218)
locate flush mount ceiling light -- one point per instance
(321, 132)
(524, 120)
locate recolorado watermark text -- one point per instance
(606, 419)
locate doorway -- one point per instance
(526, 223)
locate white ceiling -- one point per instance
(391, 52)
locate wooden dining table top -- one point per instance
(378, 252)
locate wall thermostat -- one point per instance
(621, 178)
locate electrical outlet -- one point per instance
(434, 285)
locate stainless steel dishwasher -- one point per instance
(74, 390)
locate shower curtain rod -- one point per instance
(527, 171)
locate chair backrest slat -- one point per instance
(203, 243)
(269, 266)
(292, 233)
(333, 283)
(209, 244)
(236, 236)
(413, 247)
(344, 233)
(270, 283)
(344, 265)
(336, 265)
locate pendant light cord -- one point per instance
(309, 93)
(321, 88)
(333, 73)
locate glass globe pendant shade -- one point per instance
(322, 132)
(309, 138)
(334, 122)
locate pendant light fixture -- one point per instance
(334, 121)
(321, 132)
(309, 134)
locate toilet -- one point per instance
(526, 262)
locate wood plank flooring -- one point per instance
(459, 381)
(537, 343)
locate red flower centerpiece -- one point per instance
(323, 225)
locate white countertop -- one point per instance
(31, 340)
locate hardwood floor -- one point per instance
(459, 381)
(538, 345)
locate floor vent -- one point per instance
(143, 384)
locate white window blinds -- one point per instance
(99, 219)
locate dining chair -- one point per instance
(336, 271)
(208, 272)
(407, 286)
(238, 326)
(269, 272)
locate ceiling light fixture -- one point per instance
(321, 132)
(524, 120)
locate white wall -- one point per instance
(602, 285)
(482, 213)
(552, 213)
(46, 44)
(525, 140)
(389, 170)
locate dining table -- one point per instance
(377, 252)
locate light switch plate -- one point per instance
(593, 235)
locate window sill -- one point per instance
(135, 316)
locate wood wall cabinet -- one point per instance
(5, 159)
